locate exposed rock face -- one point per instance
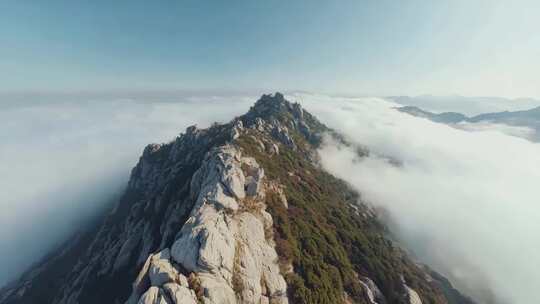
(180, 293)
(161, 271)
(373, 293)
(226, 247)
(196, 225)
(156, 204)
(414, 298)
(223, 243)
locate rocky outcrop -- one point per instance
(159, 281)
(372, 292)
(413, 296)
(224, 243)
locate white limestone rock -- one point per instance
(281, 133)
(180, 294)
(217, 196)
(253, 180)
(216, 289)
(414, 298)
(206, 242)
(237, 129)
(234, 182)
(259, 124)
(372, 291)
(161, 271)
(221, 245)
(182, 280)
(157, 271)
(257, 258)
(220, 166)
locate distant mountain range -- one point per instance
(526, 118)
(469, 106)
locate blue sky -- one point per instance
(354, 47)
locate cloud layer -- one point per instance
(63, 161)
(464, 202)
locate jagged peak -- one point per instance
(271, 113)
(275, 106)
(277, 110)
(276, 99)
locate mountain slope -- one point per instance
(238, 213)
(445, 117)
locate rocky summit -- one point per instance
(240, 212)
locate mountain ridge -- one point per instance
(240, 213)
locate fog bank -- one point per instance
(464, 202)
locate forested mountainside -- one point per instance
(237, 213)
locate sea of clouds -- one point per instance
(62, 162)
(463, 202)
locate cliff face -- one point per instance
(236, 213)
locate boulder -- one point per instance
(161, 271)
(180, 294)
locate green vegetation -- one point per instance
(327, 240)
